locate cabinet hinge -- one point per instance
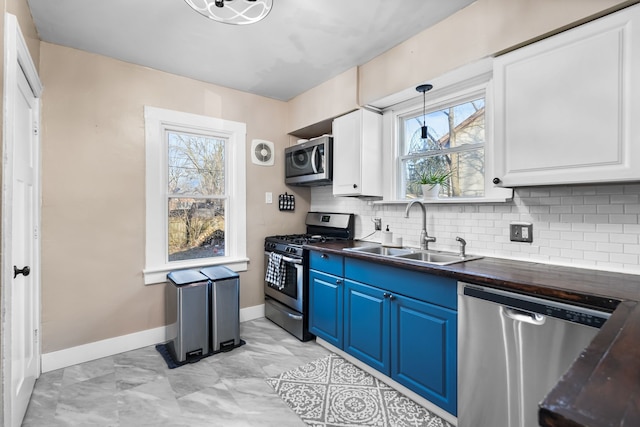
(35, 128)
(35, 336)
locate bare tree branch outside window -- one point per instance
(455, 143)
(197, 196)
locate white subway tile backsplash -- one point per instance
(609, 228)
(610, 189)
(631, 228)
(623, 219)
(610, 209)
(627, 199)
(596, 226)
(610, 247)
(624, 258)
(623, 238)
(596, 219)
(571, 218)
(596, 200)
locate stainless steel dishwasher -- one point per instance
(512, 349)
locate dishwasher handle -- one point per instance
(523, 316)
(527, 304)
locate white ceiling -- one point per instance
(299, 45)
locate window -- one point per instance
(197, 195)
(454, 147)
(195, 189)
(459, 117)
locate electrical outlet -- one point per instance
(521, 232)
(377, 223)
(268, 197)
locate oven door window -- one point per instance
(291, 281)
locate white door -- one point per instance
(20, 211)
(24, 301)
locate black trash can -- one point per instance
(187, 311)
(224, 297)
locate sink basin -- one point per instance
(381, 250)
(437, 257)
(426, 256)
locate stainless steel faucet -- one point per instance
(425, 239)
(463, 245)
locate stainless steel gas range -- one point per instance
(286, 285)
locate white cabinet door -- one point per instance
(357, 154)
(567, 107)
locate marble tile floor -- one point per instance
(137, 389)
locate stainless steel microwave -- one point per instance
(309, 163)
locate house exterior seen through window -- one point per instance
(195, 193)
(196, 196)
(454, 146)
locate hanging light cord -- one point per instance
(424, 89)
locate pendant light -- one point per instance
(424, 89)
(236, 12)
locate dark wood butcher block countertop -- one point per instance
(602, 387)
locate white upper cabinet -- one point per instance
(567, 108)
(357, 154)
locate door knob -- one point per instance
(24, 271)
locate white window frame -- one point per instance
(459, 85)
(157, 122)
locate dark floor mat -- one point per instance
(163, 349)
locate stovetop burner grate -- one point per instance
(301, 239)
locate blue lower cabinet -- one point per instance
(326, 307)
(402, 323)
(424, 350)
(366, 325)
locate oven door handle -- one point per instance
(291, 260)
(287, 259)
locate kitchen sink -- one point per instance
(381, 250)
(426, 256)
(438, 257)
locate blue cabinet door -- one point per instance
(366, 325)
(326, 307)
(424, 350)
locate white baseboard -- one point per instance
(109, 347)
(250, 313)
(397, 386)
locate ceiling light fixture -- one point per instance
(424, 89)
(236, 12)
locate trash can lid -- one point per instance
(219, 272)
(186, 277)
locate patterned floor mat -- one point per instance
(333, 392)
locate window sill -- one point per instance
(159, 275)
(458, 200)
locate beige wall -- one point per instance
(330, 99)
(480, 30)
(93, 229)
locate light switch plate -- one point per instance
(521, 232)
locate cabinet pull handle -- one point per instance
(324, 256)
(355, 185)
(338, 282)
(496, 180)
(388, 295)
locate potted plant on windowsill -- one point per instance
(432, 180)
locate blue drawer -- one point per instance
(328, 263)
